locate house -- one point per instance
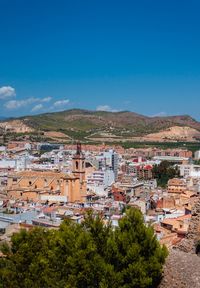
(176, 186)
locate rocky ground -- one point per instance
(182, 270)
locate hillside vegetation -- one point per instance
(101, 125)
(88, 120)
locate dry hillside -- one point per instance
(124, 125)
(16, 126)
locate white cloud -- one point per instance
(61, 103)
(37, 107)
(34, 99)
(7, 92)
(106, 108)
(16, 104)
(39, 103)
(46, 99)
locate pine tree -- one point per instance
(84, 256)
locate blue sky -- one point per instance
(142, 56)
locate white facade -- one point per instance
(108, 159)
(111, 160)
(54, 198)
(197, 155)
(105, 178)
(18, 164)
(171, 158)
(99, 181)
(189, 170)
(2, 148)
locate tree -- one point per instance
(88, 255)
(163, 172)
(196, 162)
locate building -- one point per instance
(118, 194)
(189, 170)
(172, 159)
(140, 168)
(19, 144)
(42, 185)
(139, 204)
(78, 168)
(99, 181)
(176, 186)
(179, 225)
(197, 155)
(151, 152)
(144, 172)
(49, 185)
(109, 159)
(134, 189)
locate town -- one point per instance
(42, 184)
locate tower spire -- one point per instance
(78, 148)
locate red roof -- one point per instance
(148, 167)
(136, 160)
(49, 209)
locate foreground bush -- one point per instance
(88, 255)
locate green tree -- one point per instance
(163, 172)
(197, 162)
(88, 255)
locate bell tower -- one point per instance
(78, 164)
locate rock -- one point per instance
(182, 268)
(193, 236)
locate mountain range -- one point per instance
(86, 124)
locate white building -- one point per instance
(189, 170)
(99, 181)
(197, 155)
(109, 159)
(19, 163)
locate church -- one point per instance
(50, 185)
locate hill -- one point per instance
(85, 124)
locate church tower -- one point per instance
(78, 164)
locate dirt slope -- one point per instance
(16, 126)
(174, 133)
